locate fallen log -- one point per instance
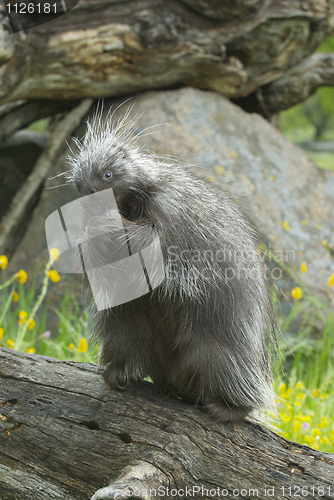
(294, 87)
(110, 48)
(25, 113)
(64, 435)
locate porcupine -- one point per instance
(208, 331)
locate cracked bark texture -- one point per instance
(109, 47)
(64, 435)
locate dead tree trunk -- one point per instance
(107, 48)
(64, 435)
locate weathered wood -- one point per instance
(25, 113)
(25, 198)
(294, 87)
(63, 435)
(110, 47)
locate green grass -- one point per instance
(305, 388)
(24, 323)
(297, 131)
(323, 159)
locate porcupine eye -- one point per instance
(107, 175)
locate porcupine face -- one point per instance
(109, 167)
(97, 170)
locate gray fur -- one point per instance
(204, 334)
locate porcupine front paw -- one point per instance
(116, 378)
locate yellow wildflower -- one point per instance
(303, 267)
(301, 395)
(211, 178)
(286, 225)
(83, 346)
(54, 276)
(331, 435)
(324, 422)
(31, 350)
(2, 333)
(324, 440)
(286, 435)
(282, 388)
(31, 324)
(297, 403)
(71, 345)
(297, 426)
(272, 177)
(3, 261)
(219, 169)
(54, 254)
(316, 446)
(316, 393)
(23, 317)
(22, 276)
(304, 222)
(316, 432)
(11, 343)
(299, 385)
(15, 297)
(286, 418)
(331, 280)
(296, 293)
(290, 390)
(319, 226)
(234, 154)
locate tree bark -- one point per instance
(294, 87)
(25, 113)
(106, 48)
(64, 435)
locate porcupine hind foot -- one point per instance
(224, 412)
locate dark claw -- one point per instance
(120, 387)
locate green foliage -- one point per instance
(306, 386)
(40, 125)
(327, 45)
(19, 306)
(313, 120)
(323, 159)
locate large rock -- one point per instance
(290, 200)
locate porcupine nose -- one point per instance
(87, 190)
